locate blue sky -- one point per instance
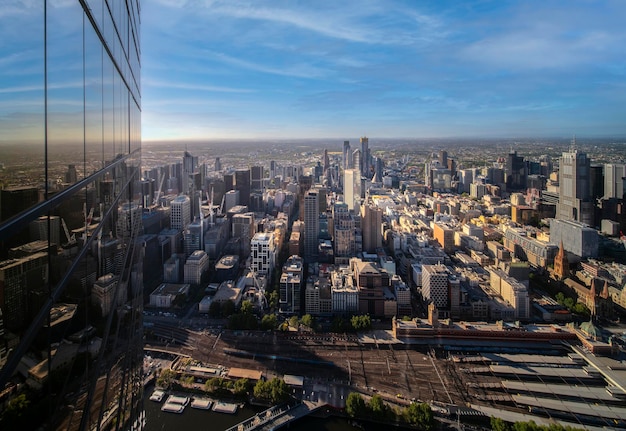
(297, 69)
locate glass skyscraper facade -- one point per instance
(71, 284)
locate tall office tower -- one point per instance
(45, 228)
(71, 365)
(347, 155)
(371, 227)
(596, 179)
(242, 183)
(71, 176)
(190, 166)
(575, 201)
(311, 225)
(357, 157)
(365, 157)
(516, 172)
(218, 164)
(613, 183)
(256, 178)
(243, 227)
(326, 160)
(378, 169)
(193, 237)
(440, 287)
(443, 158)
(180, 215)
(344, 233)
(128, 220)
(231, 200)
(272, 170)
(229, 182)
(352, 188)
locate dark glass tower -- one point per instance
(71, 344)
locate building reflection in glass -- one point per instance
(70, 268)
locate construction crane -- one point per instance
(71, 239)
(158, 193)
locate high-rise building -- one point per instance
(311, 225)
(180, 216)
(72, 365)
(365, 157)
(256, 178)
(516, 172)
(263, 253)
(344, 233)
(352, 188)
(290, 286)
(347, 155)
(371, 227)
(614, 174)
(242, 183)
(575, 201)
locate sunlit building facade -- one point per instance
(71, 284)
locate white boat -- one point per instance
(173, 399)
(221, 407)
(172, 408)
(157, 396)
(201, 403)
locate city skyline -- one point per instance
(235, 70)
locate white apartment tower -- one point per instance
(263, 253)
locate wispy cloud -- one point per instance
(296, 70)
(192, 86)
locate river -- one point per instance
(205, 420)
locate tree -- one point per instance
(186, 380)
(273, 299)
(338, 325)
(361, 323)
(242, 386)
(275, 390)
(228, 308)
(246, 307)
(307, 320)
(16, 408)
(269, 321)
(378, 407)
(420, 414)
(293, 322)
(166, 378)
(355, 404)
(498, 424)
(215, 309)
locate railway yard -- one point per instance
(565, 384)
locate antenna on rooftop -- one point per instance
(572, 147)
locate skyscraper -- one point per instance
(613, 180)
(575, 201)
(311, 225)
(352, 188)
(516, 172)
(347, 155)
(71, 344)
(365, 157)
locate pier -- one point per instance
(276, 417)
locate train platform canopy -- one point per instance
(244, 373)
(291, 380)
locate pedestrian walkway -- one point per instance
(276, 417)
